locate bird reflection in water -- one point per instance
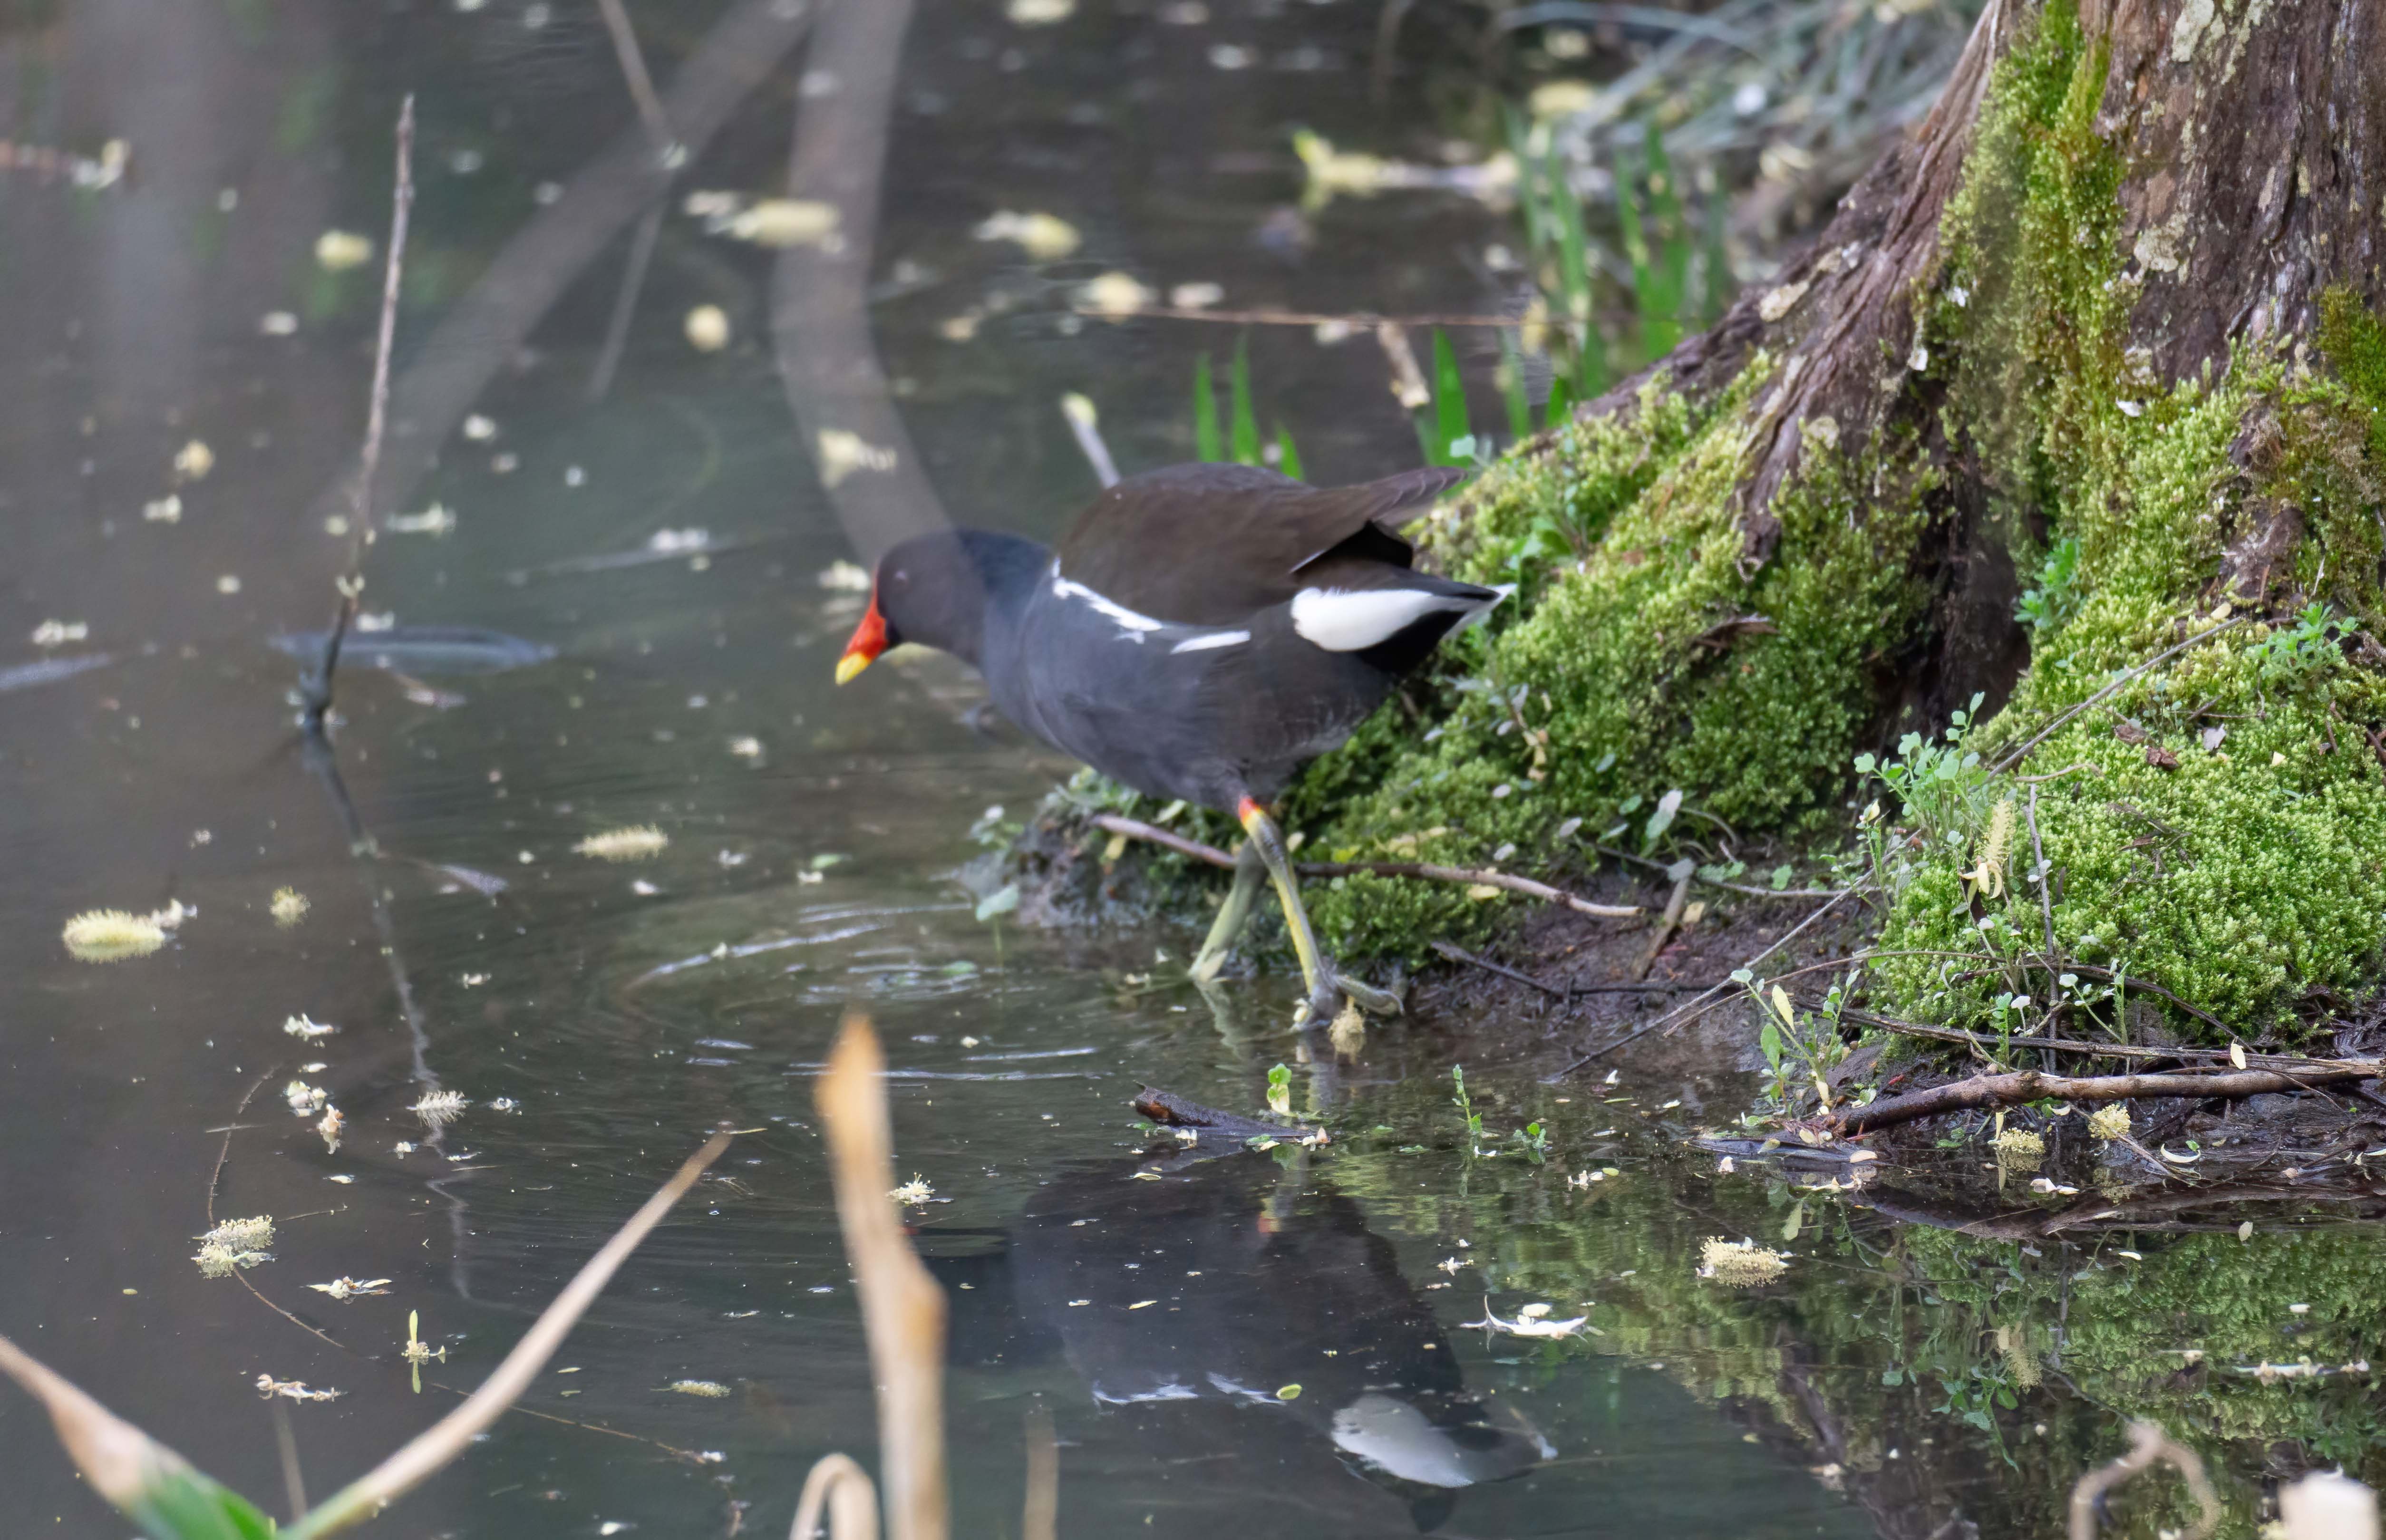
(1209, 1277)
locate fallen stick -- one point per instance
(1748, 889)
(2025, 1085)
(1675, 905)
(1171, 1110)
(1421, 871)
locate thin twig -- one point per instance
(1568, 991)
(1749, 889)
(625, 302)
(2284, 1063)
(1460, 954)
(435, 1445)
(1682, 1010)
(1358, 321)
(1423, 870)
(1675, 904)
(2025, 1085)
(633, 74)
(2046, 905)
(286, 1444)
(316, 690)
(2015, 758)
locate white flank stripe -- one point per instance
(1212, 639)
(1341, 619)
(1130, 623)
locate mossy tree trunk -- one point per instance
(2083, 370)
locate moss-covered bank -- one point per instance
(2211, 815)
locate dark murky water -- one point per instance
(1900, 1379)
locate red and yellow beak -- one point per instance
(869, 641)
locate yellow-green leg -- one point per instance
(1326, 983)
(1249, 869)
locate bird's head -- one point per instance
(931, 589)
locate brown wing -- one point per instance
(1211, 545)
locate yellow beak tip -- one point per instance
(849, 665)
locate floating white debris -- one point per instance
(480, 429)
(439, 1108)
(1196, 296)
(636, 843)
(234, 1244)
(842, 453)
(1038, 13)
(112, 935)
(784, 222)
(277, 323)
(306, 1100)
(707, 328)
(308, 1029)
(844, 577)
(505, 1104)
(1045, 237)
(745, 747)
(194, 460)
(1533, 1320)
(293, 1390)
(1113, 295)
(58, 633)
(1739, 1264)
(329, 1127)
(437, 520)
(346, 1288)
(288, 906)
(1562, 99)
(914, 1191)
(338, 250)
(229, 584)
(163, 511)
(712, 1390)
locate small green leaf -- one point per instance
(1002, 901)
(1245, 421)
(1287, 459)
(1206, 444)
(1449, 400)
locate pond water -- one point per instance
(1918, 1372)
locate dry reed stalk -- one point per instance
(902, 1309)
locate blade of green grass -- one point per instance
(1246, 428)
(1573, 242)
(1450, 422)
(1715, 284)
(1560, 401)
(1288, 458)
(1205, 413)
(1671, 263)
(1512, 387)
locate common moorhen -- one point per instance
(1202, 632)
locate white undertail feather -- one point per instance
(1342, 620)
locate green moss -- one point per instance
(2354, 342)
(1649, 663)
(2256, 866)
